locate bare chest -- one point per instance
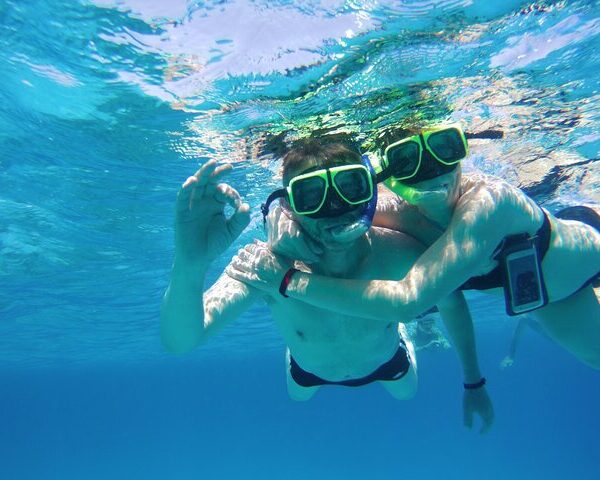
(299, 321)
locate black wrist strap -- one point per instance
(476, 385)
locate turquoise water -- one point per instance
(105, 107)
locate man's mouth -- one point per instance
(341, 221)
(435, 188)
(346, 228)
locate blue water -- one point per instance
(105, 107)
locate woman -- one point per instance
(482, 234)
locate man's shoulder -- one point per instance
(392, 254)
(382, 234)
(481, 184)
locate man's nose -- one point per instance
(430, 165)
(335, 202)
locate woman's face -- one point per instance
(443, 189)
(438, 192)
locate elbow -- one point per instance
(175, 347)
(178, 345)
(178, 335)
(178, 340)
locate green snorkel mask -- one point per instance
(429, 154)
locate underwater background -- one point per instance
(107, 106)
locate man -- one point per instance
(327, 187)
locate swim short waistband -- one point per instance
(588, 216)
(394, 369)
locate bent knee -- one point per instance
(412, 384)
(300, 394)
(405, 388)
(299, 398)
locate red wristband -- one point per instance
(287, 278)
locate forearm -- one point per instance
(439, 271)
(459, 325)
(379, 300)
(182, 309)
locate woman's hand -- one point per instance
(287, 238)
(202, 232)
(258, 267)
(477, 402)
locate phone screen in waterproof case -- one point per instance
(524, 290)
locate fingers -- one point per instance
(241, 217)
(468, 417)
(190, 188)
(488, 420)
(220, 171)
(200, 178)
(251, 251)
(241, 275)
(244, 258)
(227, 194)
(207, 173)
(485, 428)
(239, 220)
(477, 402)
(204, 184)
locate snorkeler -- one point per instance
(482, 234)
(328, 188)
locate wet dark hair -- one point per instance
(393, 134)
(321, 152)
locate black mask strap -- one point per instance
(485, 134)
(264, 208)
(384, 174)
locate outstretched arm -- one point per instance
(202, 232)
(442, 268)
(459, 325)
(456, 256)
(523, 321)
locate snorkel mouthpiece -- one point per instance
(410, 194)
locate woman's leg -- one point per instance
(574, 323)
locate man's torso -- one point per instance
(339, 347)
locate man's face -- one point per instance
(334, 231)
